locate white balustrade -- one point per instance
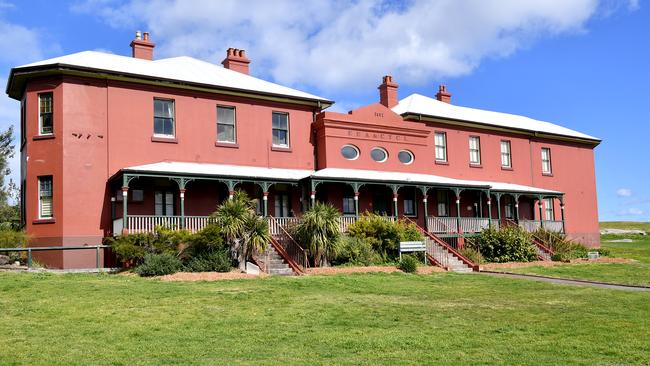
(346, 221)
(438, 225)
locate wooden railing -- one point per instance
(442, 225)
(277, 223)
(345, 221)
(290, 249)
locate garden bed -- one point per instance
(209, 276)
(493, 266)
(367, 269)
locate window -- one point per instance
(506, 159)
(409, 203)
(443, 203)
(441, 146)
(548, 209)
(163, 118)
(137, 195)
(164, 203)
(405, 157)
(45, 210)
(348, 206)
(45, 114)
(280, 129)
(226, 125)
(378, 154)
(509, 207)
(475, 150)
(282, 205)
(350, 152)
(546, 160)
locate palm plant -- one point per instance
(243, 230)
(319, 231)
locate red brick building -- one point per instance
(114, 144)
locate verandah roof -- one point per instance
(334, 174)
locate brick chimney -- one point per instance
(142, 47)
(236, 60)
(388, 92)
(443, 95)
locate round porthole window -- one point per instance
(405, 157)
(350, 152)
(378, 154)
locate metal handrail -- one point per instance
(29, 251)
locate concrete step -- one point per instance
(281, 272)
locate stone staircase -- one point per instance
(445, 258)
(276, 265)
(542, 254)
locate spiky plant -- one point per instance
(319, 230)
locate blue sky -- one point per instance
(583, 64)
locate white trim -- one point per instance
(355, 149)
(409, 153)
(382, 149)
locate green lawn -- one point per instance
(636, 273)
(363, 319)
(625, 225)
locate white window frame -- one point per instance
(547, 167)
(173, 118)
(288, 129)
(40, 114)
(412, 157)
(41, 196)
(506, 154)
(382, 149)
(233, 124)
(476, 150)
(442, 146)
(353, 147)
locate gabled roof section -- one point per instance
(419, 105)
(186, 70)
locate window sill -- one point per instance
(44, 221)
(232, 145)
(440, 162)
(169, 140)
(547, 174)
(475, 165)
(281, 148)
(43, 137)
(507, 168)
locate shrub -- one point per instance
(567, 250)
(159, 265)
(355, 251)
(472, 254)
(215, 261)
(383, 235)
(10, 238)
(603, 251)
(408, 264)
(208, 240)
(510, 244)
(133, 248)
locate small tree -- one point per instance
(243, 230)
(319, 232)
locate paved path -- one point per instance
(562, 281)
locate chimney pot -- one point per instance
(388, 92)
(142, 48)
(443, 95)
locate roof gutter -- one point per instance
(15, 88)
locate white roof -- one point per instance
(185, 69)
(419, 104)
(253, 172)
(382, 176)
(173, 167)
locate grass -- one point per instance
(364, 319)
(630, 225)
(635, 273)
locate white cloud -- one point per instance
(632, 211)
(349, 44)
(624, 192)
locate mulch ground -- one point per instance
(208, 276)
(491, 266)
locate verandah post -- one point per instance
(265, 203)
(182, 195)
(541, 212)
(356, 203)
(489, 207)
(125, 199)
(562, 213)
(517, 207)
(498, 197)
(458, 225)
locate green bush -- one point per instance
(318, 231)
(383, 235)
(355, 251)
(408, 264)
(134, 247)
(208, 240)
(10, 238)
(215, 261)
(471, 254)
(567, 250)
(604, 252)
(510, 244)
(159, 265)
